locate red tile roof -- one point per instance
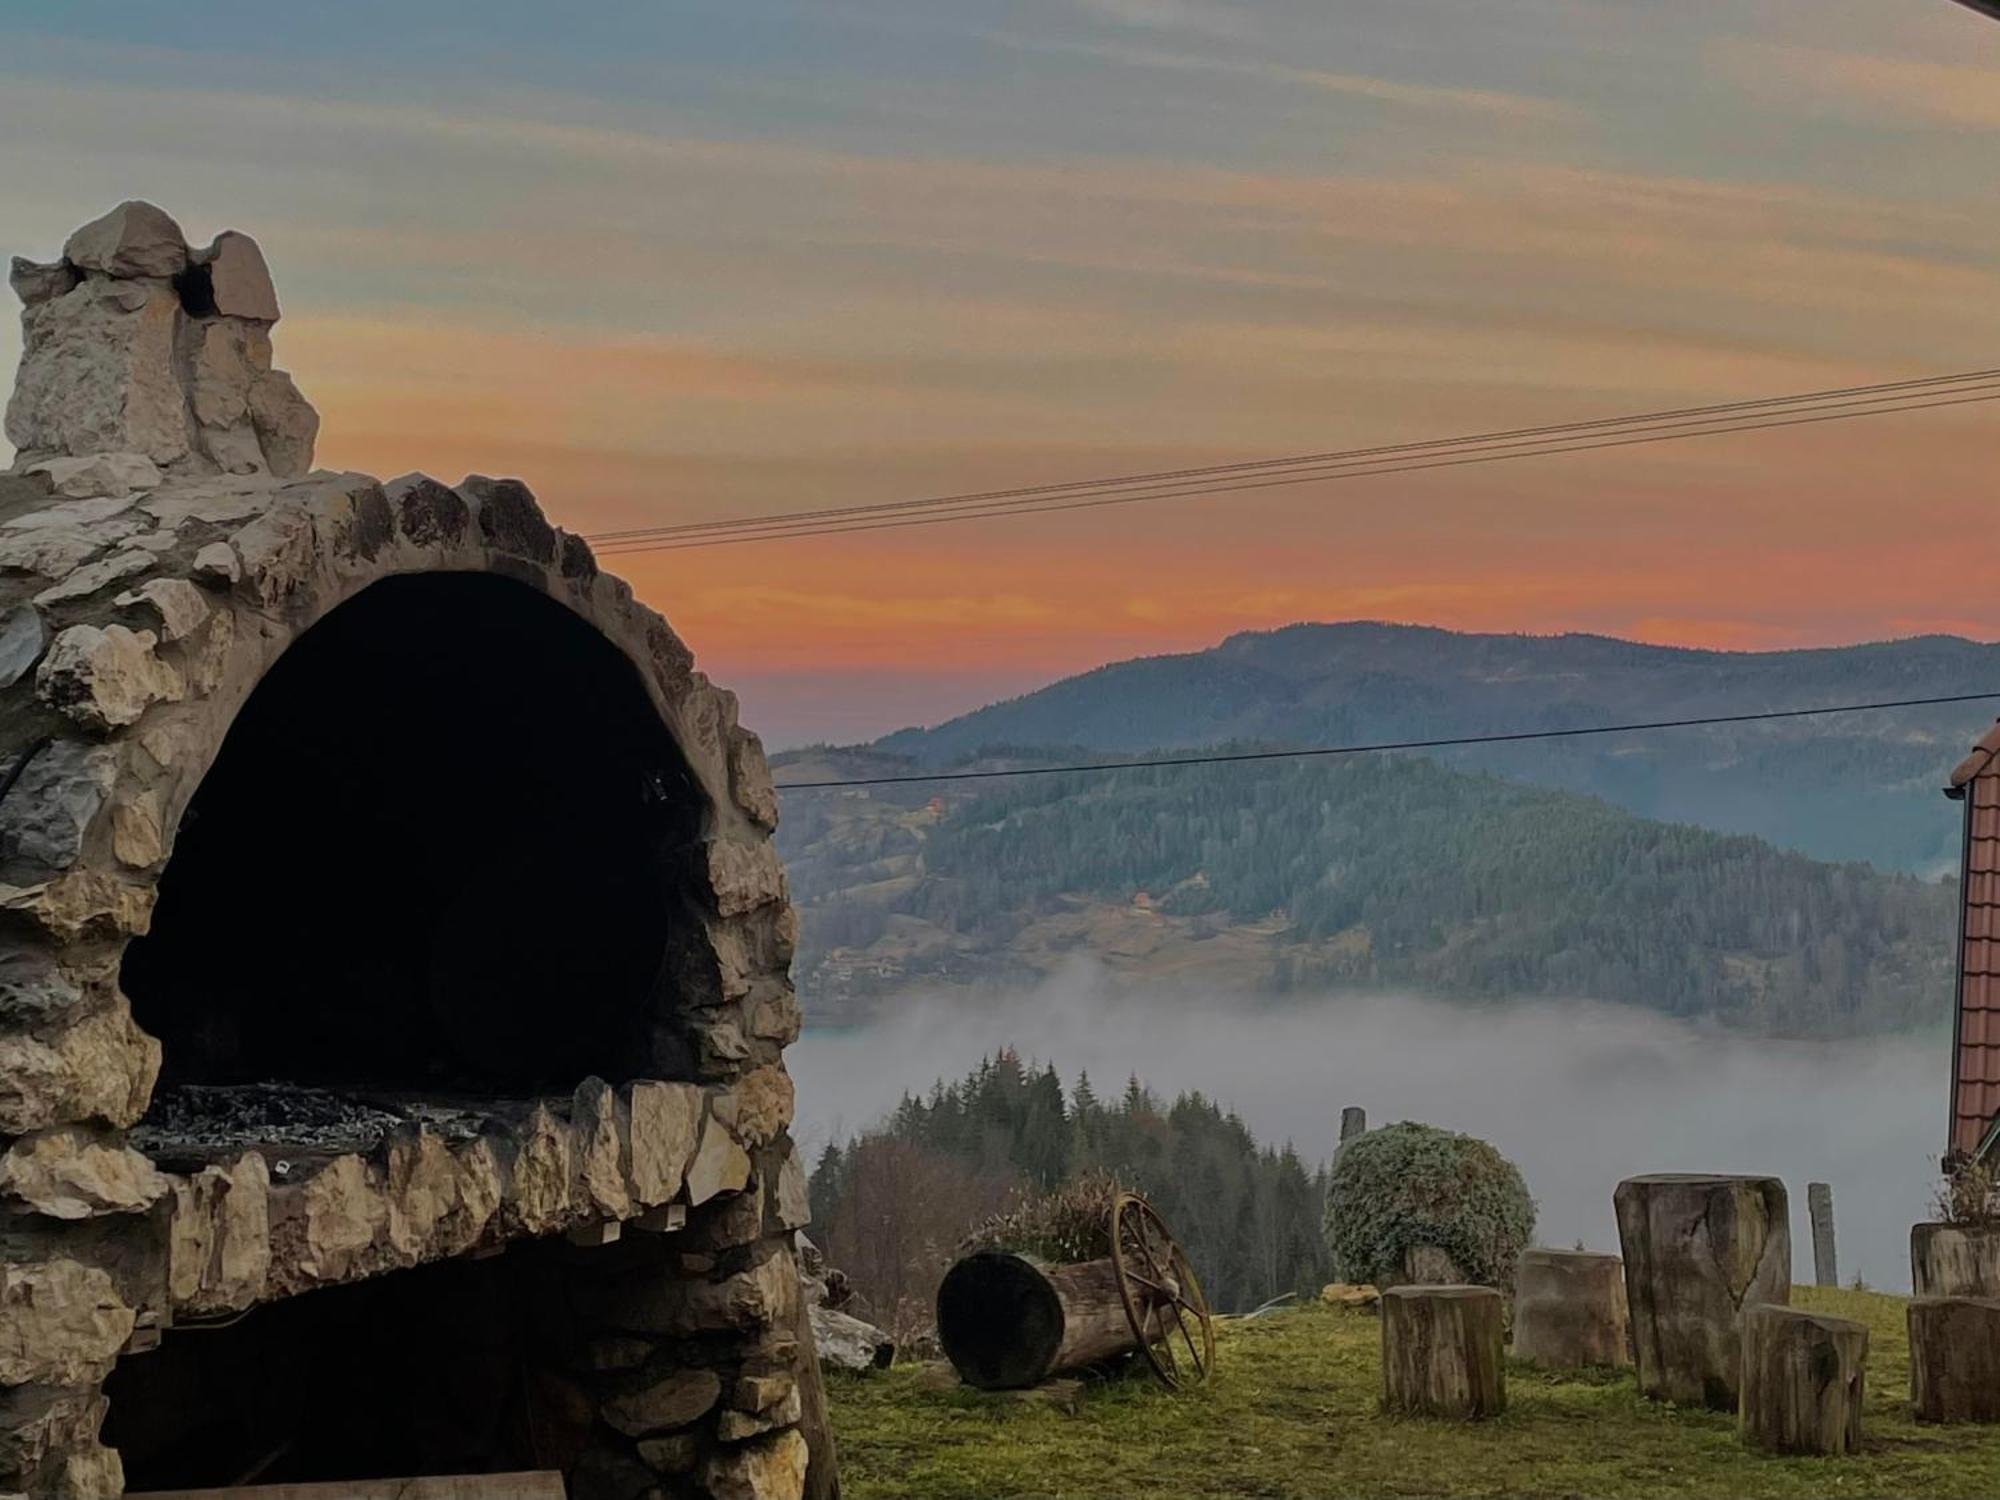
(1975, 1087)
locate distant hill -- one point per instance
(1847, 787)
(1376, 872)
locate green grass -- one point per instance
(1291, 1412)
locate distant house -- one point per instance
(1975, 1082)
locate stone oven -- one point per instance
(393, 956)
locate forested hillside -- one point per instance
(1375, 872)
(891, 1206)
(1849, 787)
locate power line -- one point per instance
(1093, 503)
(1703, 421)
(1161, 476)
(1383, 746)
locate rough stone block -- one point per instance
(602, 1131)
(771, 1468)
(744, 876)
(764, 1102)
(219, 1237)
(134, 239)
(671, 1400)
(662, 1123)
(101, 1067)
(239, 279)
(735, 1426)
(72, 1173)
(51, 805)
(105, 678)
(720, 1165)
(61, 1323)
(23, 638)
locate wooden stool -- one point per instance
(1955, 1359)
(1569, 1310)
(1441, 1351)
(1801, 1381)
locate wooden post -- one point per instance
(1441, 1351)
(1819, 1207)
(1698, 1250)
(1353, 1122)
(1801, 1381)
(1955, 1359)
(1569, 1310)
(822, 1462)
(1007, 1322)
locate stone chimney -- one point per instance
(133, 344)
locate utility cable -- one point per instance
(1384, 746)
(1866, 400)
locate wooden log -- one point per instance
(1006, 1321)
(1801, 1381)
(815, 1425)
(1955, 1260)
(1441, 1351)
(1569, 1310)
(532, 1484)
(1698, 1250)
(1955, 1359)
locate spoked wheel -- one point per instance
(1163, 1300)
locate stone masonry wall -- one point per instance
(162, 542)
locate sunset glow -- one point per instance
(692, 261)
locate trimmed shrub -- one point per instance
(1408, 1184)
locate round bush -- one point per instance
(1410, 1184)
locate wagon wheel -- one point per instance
(1163, 1300)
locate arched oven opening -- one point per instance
(437, 852)
(432, 876)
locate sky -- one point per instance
(673, 261)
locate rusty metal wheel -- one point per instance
(1163, 1300)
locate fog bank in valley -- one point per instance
(1579, 1094)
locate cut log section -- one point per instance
(1441, 1351)
(1007, 1322)
(1955, 1260)
(1801, 1381)
(1698, 1251)
(1569, 1310)
(1955, 1359)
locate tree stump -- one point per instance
(1698, 1250)
(1955, 1260)
(1955, 1359)
(1801, 1381)
(1441, 1351)
(1569, 1310)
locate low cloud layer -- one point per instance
(1579, 1094)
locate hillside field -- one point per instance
(1291, 1414)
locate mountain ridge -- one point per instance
(1839, 787)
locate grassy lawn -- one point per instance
(1291, 1412)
